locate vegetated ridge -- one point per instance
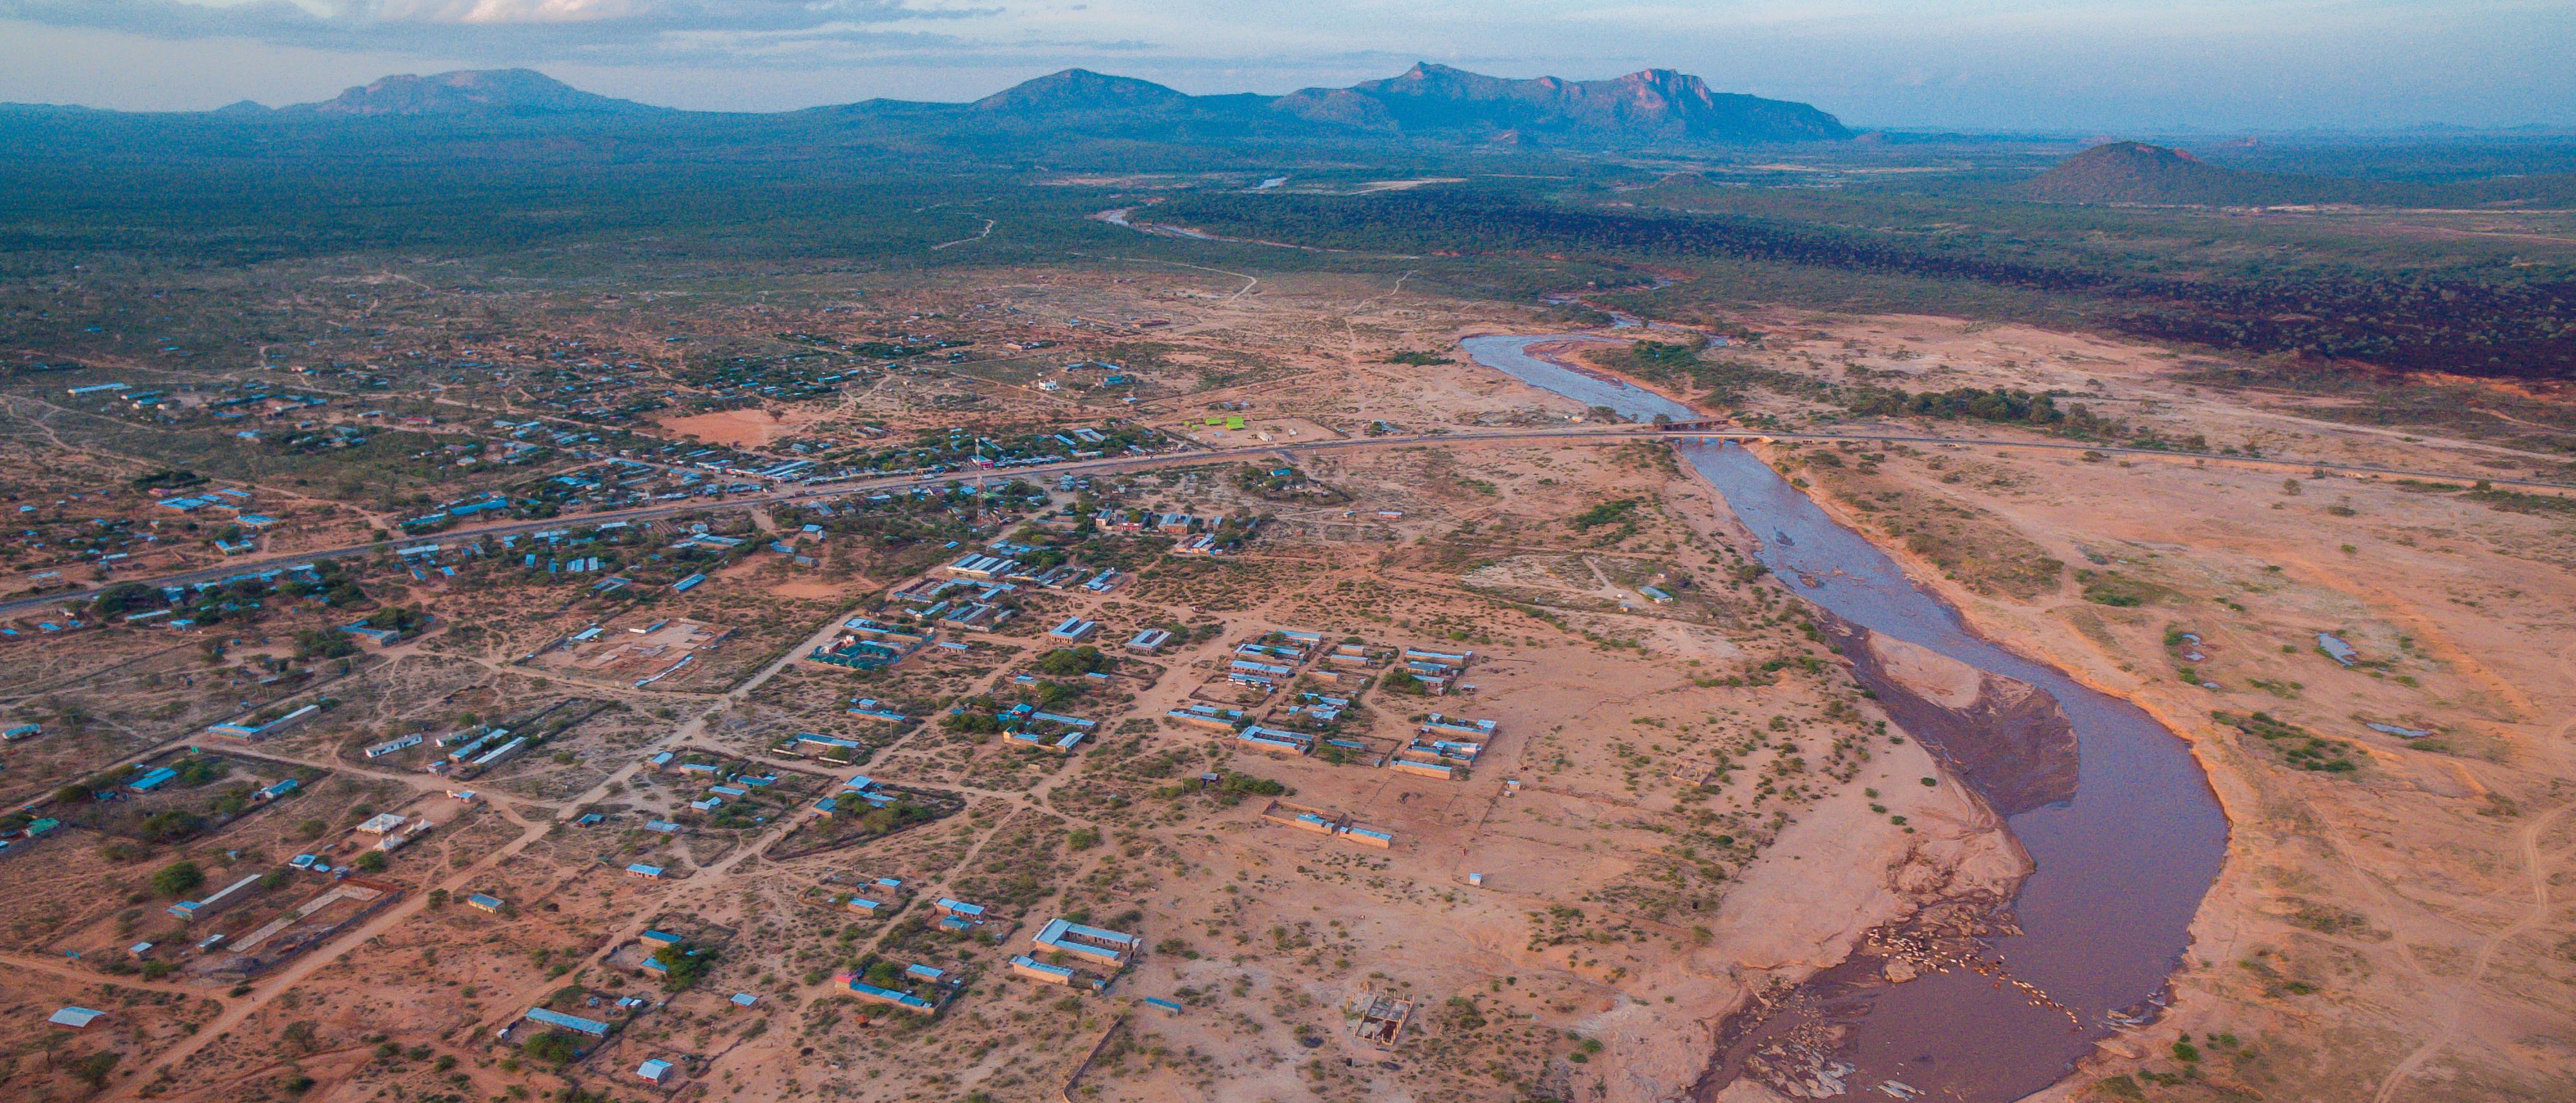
(1651, 107)
(1652, 104)
(2135, 172)
(2151, 175)
(467, 91)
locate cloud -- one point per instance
(599, 31)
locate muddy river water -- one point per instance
(2091, 936)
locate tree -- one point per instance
(683, 965)
(553, 1047)
(177, 878)
(372, 861)
(172, 826)
(93, 1069)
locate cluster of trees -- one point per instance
(1073, 662)
(684, 964)
(1611, 512)
(878, 821)
(2487, 322)
(1403, 682)
(331, 583)
(2463, 326)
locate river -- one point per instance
(2118, 869)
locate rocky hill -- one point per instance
(468, 92)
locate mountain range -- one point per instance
(1655, 107)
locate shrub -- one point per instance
(177, 878)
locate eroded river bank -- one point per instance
(1981, 1001)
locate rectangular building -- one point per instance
(1104, 947)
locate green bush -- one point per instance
(177, 879)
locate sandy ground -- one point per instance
(1662, 826)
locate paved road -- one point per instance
(806, 493)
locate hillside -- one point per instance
(1080, 90)
(1653, 105)
(1433, 103)
(2135, 172)
(464, 92)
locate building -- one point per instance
(1149, 641)
(481, 902)
(574, 1023)
(74, 1018)
(189, 911)
(887, 996)
(256, 732)
(1276, 740)
(1039, 971)
(661, 938)
(958, 915)
(1207, 716)
(1074, 629)
(1093, 944)
(392, 745)
(649, 873)
(655, 1071)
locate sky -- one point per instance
(2077, 66)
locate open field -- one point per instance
(755, 645)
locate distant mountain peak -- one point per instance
(1428, 102)
(2136, 172)
(1649, 105)
(471, 92)
(1080, 90)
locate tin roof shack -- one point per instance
(266, 722)
(913, 987)
(1026, 724)
(1444, 747)
(680, 961)
(1380, 1018)
(1431, 671)
(867, 897)
(569, 1026)
(851, 651)
(1330, 824)
(1030, 968)
(1277, 741)
(595, 1028)
(1357, 656)
(1207, 716)
(75, 1018)
(1063, 939)
(963, 916)
(189, 911)
(864, 810)
(179, 795)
